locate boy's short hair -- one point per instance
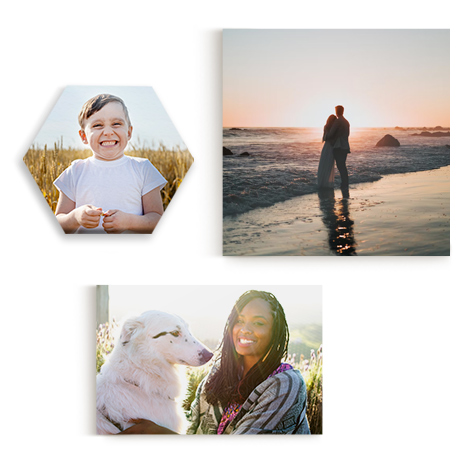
(93, 105)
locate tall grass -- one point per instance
(172, 164)
(46, 164)
(104, 342)
(311, 369)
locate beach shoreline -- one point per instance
(406, 214)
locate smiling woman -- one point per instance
(249, 389)
(252, 332)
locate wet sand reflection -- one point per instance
(337, 220)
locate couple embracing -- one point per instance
(335, 149)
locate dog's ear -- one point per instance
(130, 329)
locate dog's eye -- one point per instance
(163, 333)
(175, 333)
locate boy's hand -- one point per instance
(115, 221)
(88, 216)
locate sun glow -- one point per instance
(295, 78)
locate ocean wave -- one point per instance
(283, 164)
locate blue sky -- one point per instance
(150, 121)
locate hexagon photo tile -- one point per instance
(108, 159)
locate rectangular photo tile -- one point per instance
(209, 360)
(336, 142)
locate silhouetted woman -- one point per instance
(326, 166)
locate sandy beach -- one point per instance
(400, 215)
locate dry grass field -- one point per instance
(46, 164)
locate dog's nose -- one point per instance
(205, 355)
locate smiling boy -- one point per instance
(108, 192)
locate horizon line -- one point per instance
(320, 127)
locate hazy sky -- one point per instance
(206, 308)
(149, 119)
(295, 78)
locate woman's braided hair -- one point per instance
(225, 385)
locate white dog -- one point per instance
(140, 378)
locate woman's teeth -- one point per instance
(245, 341)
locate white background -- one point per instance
(395, 329)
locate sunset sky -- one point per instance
(294, 78)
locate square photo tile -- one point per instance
(336, 142)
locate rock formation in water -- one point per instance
(388, 141)
(433, 134)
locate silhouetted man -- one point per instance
(338, 136)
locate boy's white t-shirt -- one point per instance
(118, 184)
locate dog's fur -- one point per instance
(140, 378)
